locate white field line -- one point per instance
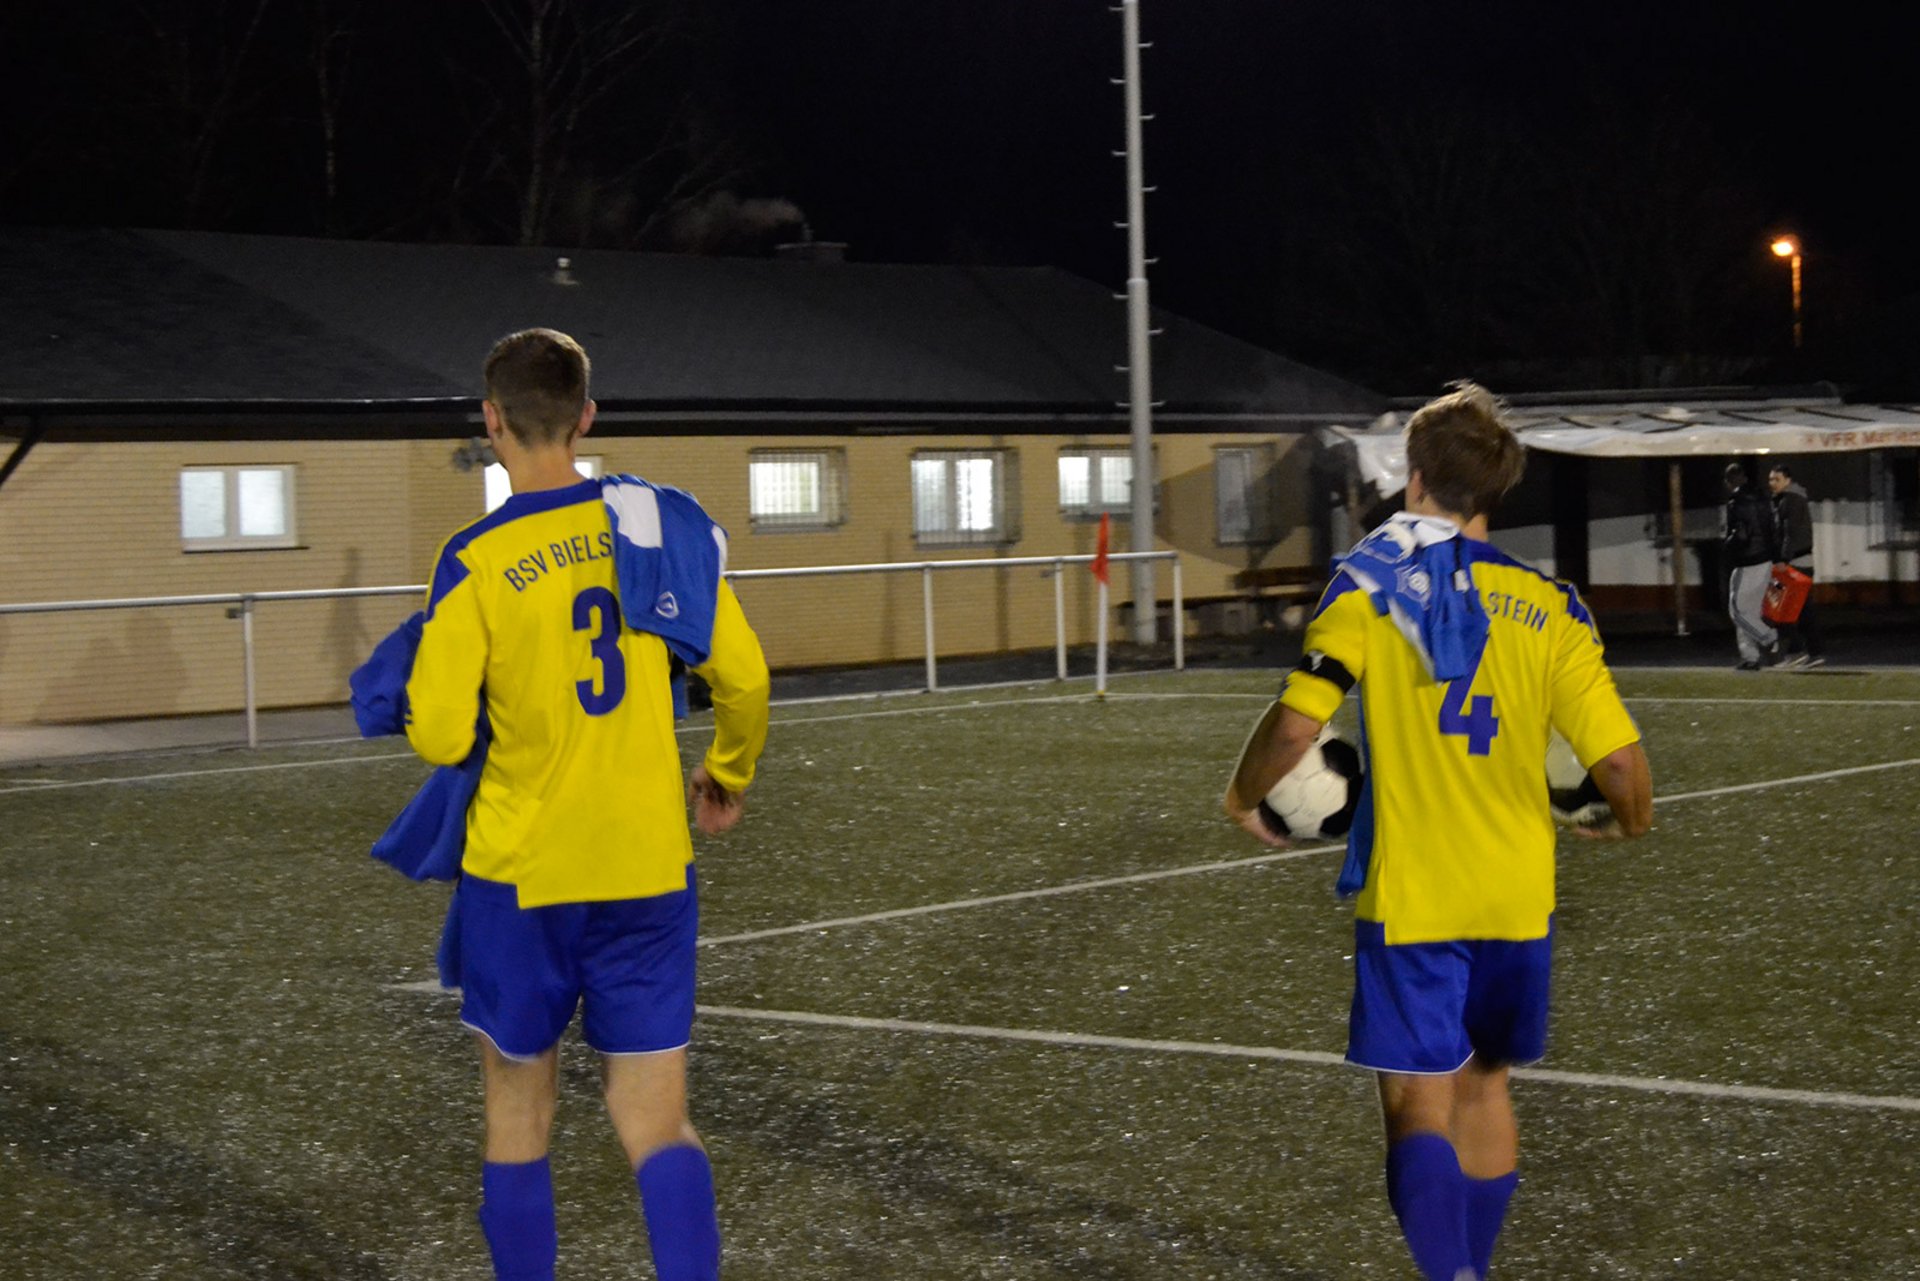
(1218, 1049)
(1786, 782)
(1077, 887)
(1644, 1084)
(1831, 669)
(49, 785)
(1031, 682)
(15, 786)
(24, 785)
(1629, 698)
(1073, 887)
(1785, 702)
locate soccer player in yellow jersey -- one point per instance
(1465, 659)
(576, 883)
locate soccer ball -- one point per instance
(1318, 796)
(1574, 797)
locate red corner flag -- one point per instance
(1100, 549)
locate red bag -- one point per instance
(1786, 595)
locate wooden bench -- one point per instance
(1292, 582)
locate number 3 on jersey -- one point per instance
(1478, 722)
(605, 645)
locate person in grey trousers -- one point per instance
(1793, 545)
(1749, 547)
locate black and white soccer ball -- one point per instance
(1573, 796)
(1319, 795)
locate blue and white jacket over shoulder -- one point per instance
(668, 558)
(1416, 570)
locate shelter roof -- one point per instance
(1675, 425)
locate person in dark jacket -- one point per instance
(1793, 545)
(1749, 547)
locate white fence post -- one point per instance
(1179, 621)
(242, 605)
(1060, 619)
(246, 644)
(926, 597)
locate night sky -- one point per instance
(1544, 196)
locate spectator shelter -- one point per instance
(189, 413)
(1609, 481)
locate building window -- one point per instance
(499, 488)
(965, 496)
(1093, 481)
(225, 509)
(1243, 494)
(796, 489)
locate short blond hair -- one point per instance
(537, 380)
(1465, 450)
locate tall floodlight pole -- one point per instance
(1146, 607)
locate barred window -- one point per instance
(796, 489)
(237, 508)
(1093, 481)
(965, 496)
(499, 488)
(1243, 494)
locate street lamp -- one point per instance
(1788, 247)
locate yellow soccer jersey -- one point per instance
(581, 798)
(1454, 824)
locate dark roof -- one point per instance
(195, 320)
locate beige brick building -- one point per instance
(200, 414)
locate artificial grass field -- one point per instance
(217, 1058)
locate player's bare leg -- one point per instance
(1413, 1104)
(1424, 1182)
(520, 1096)
(647, 1099)
(516, 1210)
(1484, 1131)
(1488, 1140)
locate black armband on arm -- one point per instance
(1332, 670)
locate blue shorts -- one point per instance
(1427, 1008)
(523, 971)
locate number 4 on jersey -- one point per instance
(1474, 719)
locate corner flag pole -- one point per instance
(1146, 606)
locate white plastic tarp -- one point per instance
(1641, 431)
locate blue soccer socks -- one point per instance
(1486, 1211)
(676, 1194)
(516, 1214)
(1429, 1197)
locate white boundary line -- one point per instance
(1783, 702)
(1786, 782)
(1072, 887)
(1076, 887)
(49, 785)
(1269, 1053)
(1031, 682)
(11, 787)
(1318, 1058)
(1710, 669)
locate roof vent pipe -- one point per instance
(563, 272)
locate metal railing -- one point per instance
(241, 605)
